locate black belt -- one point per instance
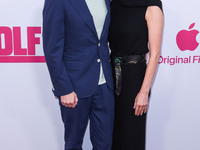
(123, 60)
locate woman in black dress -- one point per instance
(134, 25)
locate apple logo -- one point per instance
(186, 39)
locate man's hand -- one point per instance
(69, 100)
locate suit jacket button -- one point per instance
(98, 60)
(99, 44)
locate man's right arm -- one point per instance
(53, 43)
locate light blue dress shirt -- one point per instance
(98, 11)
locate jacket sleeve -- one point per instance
(53, 45)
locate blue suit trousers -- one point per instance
(99, 109)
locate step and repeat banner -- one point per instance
(29, 113)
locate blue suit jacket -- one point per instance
(72, 47)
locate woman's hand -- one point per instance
(141, 103)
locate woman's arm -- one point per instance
(154, 17)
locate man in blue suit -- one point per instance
(75, 45)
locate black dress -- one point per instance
(128, 35)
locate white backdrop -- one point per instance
(29, 113)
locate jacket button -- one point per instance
(99, 44)
(98, 60)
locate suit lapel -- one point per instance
(108, 4)
(107, 19)
(83, 11)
